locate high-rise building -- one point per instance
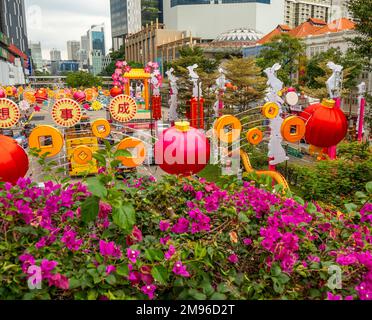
(55, 55)
(36, 55)
(96, 60)
(96, 38)
(73, 48)
(208, 19)
(13, 23)
(125, 19)
(299, 11)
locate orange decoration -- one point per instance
(254, 136)
(133, 161)
(101, 128)
(47, 139)
(82, 155)
(224, 121)
(293, 129)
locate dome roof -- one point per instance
(239, 35)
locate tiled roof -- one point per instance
(307, 28)
(282, 28)
(337, 26)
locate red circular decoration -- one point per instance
(115, 91)
(182, 152)
(41, 95)
(326, 126)
(9, 113)
(13, 160)
(123, 108)
(66, 112)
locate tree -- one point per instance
(247, 83)
(283, 49)
(82, 79)
(318, 73)
(150, 11)
(361, 11)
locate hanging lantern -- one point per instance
(115, 91)
(156, 107)
(41, 95)
(326, 125)
(79, 96)
(13, 160)
(182, 150)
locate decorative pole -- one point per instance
(362, 105)
(334, 86)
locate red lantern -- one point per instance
(13, 160)
(115, 91)
(41, 95)
(326, 125)
(2, 93)
(182, 150)
(79, 96)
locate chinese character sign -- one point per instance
(123, 108)
(66, 112)
(9, 113)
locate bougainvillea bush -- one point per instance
(177, 239)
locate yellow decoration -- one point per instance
(101, 128)
(82, 155)
(45, 133)
(9, 91)
(106, 93)
(270, 110)
(329, 103)
(29, 96)
(123, 108)
(9, 113)
(224, 121)
(90, 94)
(96, 105)
(133, 161)
(20, 90)
(60, 94)
(254, 136)
(293, 129)
(182, 126)
(66, 112)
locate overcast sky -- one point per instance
(54, 22)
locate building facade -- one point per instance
(299, 11)
(55, 55)
(209, 18)
(36, 55)
(96, 59)
(96, 38)
(73, 48)
(125, 19)
(68, 66)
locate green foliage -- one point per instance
(82, 79)
(283, 49)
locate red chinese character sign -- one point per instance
(9, 113)
(123, 108)
(66, 113)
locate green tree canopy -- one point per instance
(82, 79)
(283, 49)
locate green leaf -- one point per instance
(92, 295)
(197, 295)
(90, 209)
(154, 255)
(96, 187)
(351, 207)
(276, 270)
(218, 296)
(100, 158)
(311, 208)
(369, 187)
(243, 217)
(111, 279)
(124, 216)
(360, 195)
(278, 287)
(160, 274)
(122, 153)
(123, 270)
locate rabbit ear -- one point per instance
(276, 67)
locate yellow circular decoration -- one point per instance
(46, 138)
(133, 161)
(270, 110)
(254, 136)
(101, 128)
(9, 91)
(66, 112)
(224, 121)
(96, 105)
(82, 155)
(9, 113)
(123, 108)
(90, 94)
(293, 129)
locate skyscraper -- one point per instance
(73, 48)
(96, 36)
(13, 23)
(55, 55)
(37, 58)
(84, 53)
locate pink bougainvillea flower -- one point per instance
(27, 261)
(70, 240)
(134, 237)
(180, 270)
(132, 255)
(164, 225)
(164, 240)
(149, 290)
(47, 267)
(331, 296)
(109, 249)
(110, 269)
(134, 277)
(60, 281)
(182, 226)
(247, 241)
(170, 253)
(119, 64)
(233, 258)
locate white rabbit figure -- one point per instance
(173, 100)
(275, 84)
(194, 78)
(335, 81)
(276, 149)
(155, 85)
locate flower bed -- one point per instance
(177, 239)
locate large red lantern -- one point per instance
(79, 96)
(115, 91)
(41, 95)
(13, 160)
(182, 150)
(326, 125)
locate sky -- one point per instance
(54, 22)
